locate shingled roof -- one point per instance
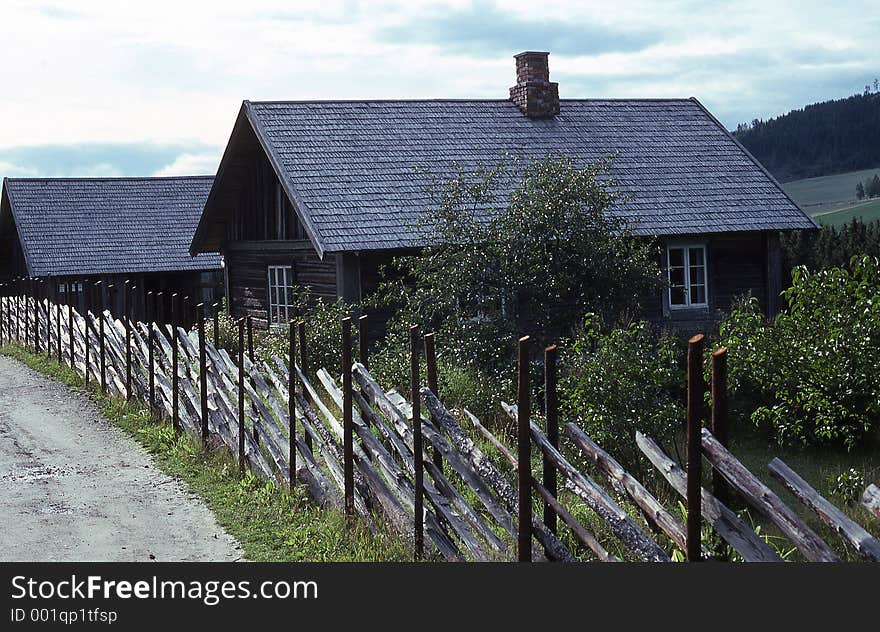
(358, 172)
(85, 226)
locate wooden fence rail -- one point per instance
(407, 463)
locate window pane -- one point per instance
(676, 277)
(698, 275)
(676, 257)
(677, 296)
(698, 294)
(696, 256)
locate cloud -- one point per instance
(172, 74)
(484, 28)
(105, 159)
(192, 164)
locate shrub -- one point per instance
(323, 332)
(625, 380)
(814, 375)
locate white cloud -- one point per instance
(175, 72)
(191, 164)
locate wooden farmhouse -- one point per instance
(323, 193)
(73, 232)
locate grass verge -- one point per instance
(272, 525)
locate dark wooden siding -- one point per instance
(247, 266)
(737, 265)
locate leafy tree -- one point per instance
(551, 251)
(814, 374)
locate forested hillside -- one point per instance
(820, 139)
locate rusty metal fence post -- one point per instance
(126, 314)
(720, 488)
(150, 308)
(431, 367)
(86, 327)
(216, 320)
(347, 439)
(203, 371)
(695, 390)
(70, 336)
(102, 345)
(524, 454)
(303, 360)
(551, 412)
(291, 400)
(241, 420)
(175, 358)
(418, 452)
(363, 354)
(250, 335)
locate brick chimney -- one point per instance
(533, 93)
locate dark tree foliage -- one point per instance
(830, 247)
(820, 139)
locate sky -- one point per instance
(113, 88)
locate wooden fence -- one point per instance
(353, 445)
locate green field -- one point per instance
(831, 200)
(867, 212)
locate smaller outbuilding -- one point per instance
(71, 233)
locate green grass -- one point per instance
(269, 523)
(866, 212)
(826, 193)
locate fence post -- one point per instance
(363, 355)
(431, 365)
(720, 488)
(291, 401)
(159, 315)
(303, 359)
(175, 380)
(203, 371)
(58, 320)
(347, 441)
(216, 317)
(250, 334)
(37, 293)
(524, 454)
(86, 327)
(102, 349)
(126, 311)
(419, 478)
(70, 323)
(241, 420)
(694, 454)
(551, 412)
(150, 311)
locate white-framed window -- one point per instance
(280, 294)
(686, 272)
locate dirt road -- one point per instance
(75, 488)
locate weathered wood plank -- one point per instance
(621, 479)
(852, 533)
(488, 472)
(764, 500)
(734, 531)
(621, 524)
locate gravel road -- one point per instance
(73, 487)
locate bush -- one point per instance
(323, 332)
(625, 380)
(814, 375)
